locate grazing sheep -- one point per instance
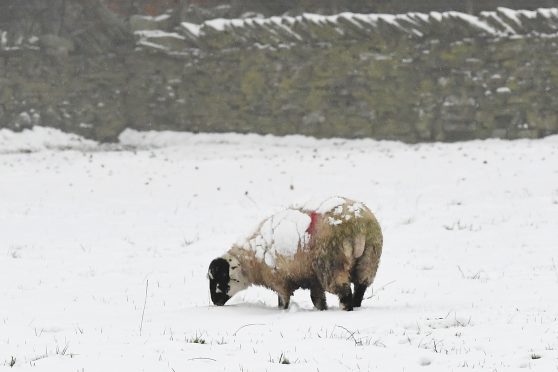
(321, 247)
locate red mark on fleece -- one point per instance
(313, 219)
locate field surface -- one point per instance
(104, 253)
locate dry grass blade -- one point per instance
(247, 325)
(203, 358)
(379, 289)
(351, 335)
(144, 303)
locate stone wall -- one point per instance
(414, 77)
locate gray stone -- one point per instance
(139, 22)
(56, 45)
(160, 40)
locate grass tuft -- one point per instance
(282, 359)
(196, 340)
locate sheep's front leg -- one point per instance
(317, 294)
(283, 301)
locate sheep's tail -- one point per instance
(356, 247)
(359, 245)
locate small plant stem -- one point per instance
(247, 325)
(144, 303)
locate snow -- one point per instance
(321, 206)
(356, 209)
(220, 24)
(334, 221)
(467, 282)
(150, 38)
(159, 18)
(335, 205)
(153, 34)
(548, 12)
(475, 22)
(435, 15)
(511, 14)
(508, 29)
(191, 28)
(281, 234)
(40, 139)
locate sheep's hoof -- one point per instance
(319, 303)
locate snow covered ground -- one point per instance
(468, 279)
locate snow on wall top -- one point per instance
(282, 234)
(286, 30)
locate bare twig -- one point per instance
(351, 335)
(465, 276)
(64, 350)
(189, 242)
(435, 346)
(202, 358)
(252, 200)
(39, 357)
(247, 325)
(144, 303)
(380, 289)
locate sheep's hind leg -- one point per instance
(364, 272)
(317, 294)
(360, 289)
(283, 302)
(345, 296)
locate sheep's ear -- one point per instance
(209, 275)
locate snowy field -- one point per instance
(468, 278)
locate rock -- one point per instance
(55, 45)
(140, 23)
(161, 40)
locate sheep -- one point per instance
(318, 246)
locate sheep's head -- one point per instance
(225, 279)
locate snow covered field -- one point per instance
(468, 279)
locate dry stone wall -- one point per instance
(412, 77)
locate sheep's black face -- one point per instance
(219, 281)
